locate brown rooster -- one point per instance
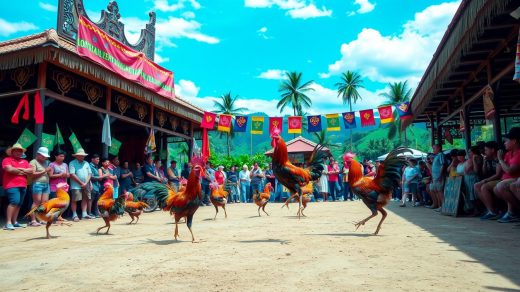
(306, 193)
(376, 192)
(133, 207)
(292, 177)
(218, 198)
(110, 209)
(183, 203)
(53, 208)
(261, 199)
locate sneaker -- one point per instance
(19, 225)
(438, 209)
(35, 224)
(509, 218)
(402, 205)
(75, 219)
(9, 227)
(488, 216)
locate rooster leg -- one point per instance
(216, 212)
(263, 209)
(362, 222)
(131, 216)
(47, 229)
(189, 220)
(137, 219)
(108, 229)
(383, 213)
(176, 233)
(259, 211)
(225, 213)
(106, 225)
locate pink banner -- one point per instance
(95, 44)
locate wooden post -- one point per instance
(439, 129)
(465, 112)
(432, 128)
(38, 129)
(496, 121)
(108, 105)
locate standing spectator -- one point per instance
(410, 182)
(510, 163)
(92, 209)
(371, 169)
(125, 182)
(186, 169)
(347, 191)
(208, 178)
(333, 178)
(138, 173)
(116, 170)
(232, 183)
(245, 183)
(438, 171)
(2, 156)
(59, 172)
(16, 170)
(270, 178)
(80, 174)
(472, 169)
(40, 180)
(173, 175)
(106, 174)
(256, 179)
(492, 173)
(323, 186)
(424, 182)
(220, 176)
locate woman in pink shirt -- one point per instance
(59, 172)
(333, 178)
(15, 175)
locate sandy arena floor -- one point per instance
(417, 250)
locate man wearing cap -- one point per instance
(220, 176)
(80, 186)
(16, 169)
(40, 180)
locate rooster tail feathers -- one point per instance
(119, 206)
(389, 173)
(30, 212)
(315, 162)
(159, 191)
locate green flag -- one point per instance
(114, 148)
(48, 141)
(59, 137)
(27, 138)
(75, 142)
(257, 125)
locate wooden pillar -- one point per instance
(439, 129)
(467, 132)
(496, 121)
(38, 129)
(190, 147)
(432, 129)
(108, 105)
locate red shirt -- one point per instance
(14, 180)
(219, 177)
(511, 160)
(335, 168)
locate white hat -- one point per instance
(81, 152)
(221, 167)
(245, 165)
(43, 151)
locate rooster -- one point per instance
(53, 208)
(218, 198)
(261, 199)
(292, 177)
(183, 203)
(110, 209)
(306, 193)
(376, 192)
(134, 208)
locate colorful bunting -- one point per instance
(115, 145)
(275, 123)
(314, 124)
(27, 138)
(205, 152)
(405, 110)
(48, 141)
(295, 125)
(75, 142)
(150, 146)
(386, 114)
(208, 120)
(257, 126)
(240, 123)
(367, 118)
(224, 123)
(332, 122)
(349, 119)
(38, 108)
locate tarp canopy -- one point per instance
(415, 154)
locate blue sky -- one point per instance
(244, 46)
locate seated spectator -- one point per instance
(472, 168)
(186, 169)
(438, 171)
(510, 163)
(424, 183)
(138, 173)
(452, 168)
(173, 175)
(492, 172)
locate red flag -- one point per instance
(205, 152)
(295, 125)
(275, 122)
(462, 125)
(367, 118)
(38, 109)
(224, 123)
(24, 102)
(208, 120)
(386, 114)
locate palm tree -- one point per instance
(399, 92)
(227, 106)
(293, 93)
(348, 90)
(323, 139)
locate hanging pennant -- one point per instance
(295, 125)
(150, 146)
(240, 124)
(257, 126)
(462, 125)
(367, 118)
(224, 123)
(59, 137)
(27, 138)
(208, 120)
(275, 123)
(115, 145)
(349, 120)
(489, 106)
(24, 103)
(38, 108)
(48, 141)
(75, 142)
(314, 124)
(106, 137)
(386, 114)
(404, 109)
(332, 122)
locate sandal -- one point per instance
(34, 224)
(75, 219)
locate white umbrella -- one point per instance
(415, 154)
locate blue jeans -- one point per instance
(334, 189)
(347, 192)
(205, 193)
(256, 187)
(244, 191)
(15, 196)
(39, 188)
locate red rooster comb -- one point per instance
(198, 160)
(349, 156)
(275, 132)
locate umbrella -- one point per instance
(415, 154)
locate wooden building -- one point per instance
(299, 150)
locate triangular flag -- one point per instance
(59, 137)
(224, 123)
(489, 106)
(386, 114)
(27, 138)
(24, 103)
(38, 108)
(332, 122)
(257, 125)
(75, 142)
(295, 125)
(205, 152)
(106, 138)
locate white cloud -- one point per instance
(186, 89)
(262, 33)
(48, 6)
(8, 28)
(392, 58)
(296, 8)
(159, 59)
(175, 27)
(364, 6)
(274, 74)
(163, 5)
(188, 14)
(263, 29)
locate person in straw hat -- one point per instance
(80, 174)
(40, 180)
(16, 170)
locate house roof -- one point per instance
(298, 145)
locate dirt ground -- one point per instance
(417, 250)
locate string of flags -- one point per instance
(314, 122)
